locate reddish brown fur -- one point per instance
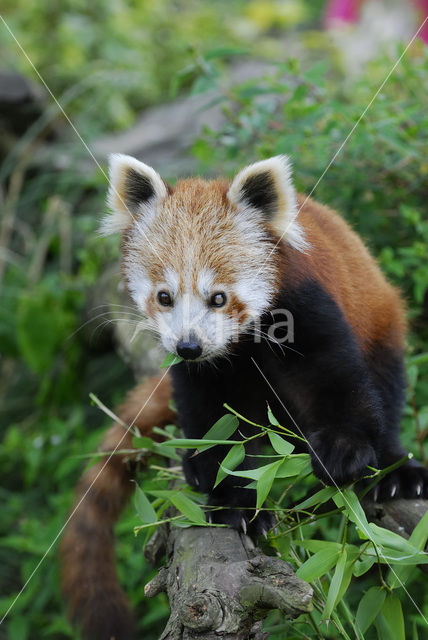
(196, 212)
(337, 258)
(341, 262)
(90, 581)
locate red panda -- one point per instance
(210, 264)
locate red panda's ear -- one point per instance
(133, 185)
(266, 187)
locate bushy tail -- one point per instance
(90, 584)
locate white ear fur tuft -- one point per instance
(133, 184)
(267, 187)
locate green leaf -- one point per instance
(234, 458)
(347, 577)
(419, 535)
(188, 508)
(415, 634)
(166, 452)
(170, 360)
(348, 501)
(143, 507)
(264, 484)
(252, 474)
(18, 628)
(398, 576)
(392, 614)
(294, 465)
(142, 442)
(225, 52)
(318, 498)
(196, 443)
(369, 606)
(318, 545)
(42, 324)
(335, 584)
(272, 418)
(291, 466)
(362, 566)
(280, 445)
(391, 540)
(223, 428)
(388, 556)
(318, 564)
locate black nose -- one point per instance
(189, 350)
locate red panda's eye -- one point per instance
(218, 299)
(164, 299)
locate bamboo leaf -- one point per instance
(223, 428)
(318, 564)
(265, 482)
(294, 465)
(143, 507)
(318, 545)
(392, 614)
(398, 576)
(362, 566)
(274, 422)
(234, 458)
(170, 360)
(318, 498)
(335, 584)
(348, 501)
(188, 508)
(280, 445)
(369, 607)
(142, 442)
(196, 443)
(391, 540)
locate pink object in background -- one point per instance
(348, 10)
(342, 11)
(422, 5)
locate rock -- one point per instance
(22, 103)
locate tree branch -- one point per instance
(220, 585)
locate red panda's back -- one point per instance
(341, 262)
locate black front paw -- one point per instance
(340, 460)
(409, 481)
(240, 517)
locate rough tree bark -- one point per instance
(219, 585)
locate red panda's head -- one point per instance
(200, 259)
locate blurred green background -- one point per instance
(273, 81)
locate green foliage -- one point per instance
(377, 180)
(115, 57)
(339, 569)
(170, 360)
(107, 60)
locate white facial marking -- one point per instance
(205, 282)
(256, 293)
(172, 280)
(139, 284)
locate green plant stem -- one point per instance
(314, 625)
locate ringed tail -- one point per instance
(96, 601)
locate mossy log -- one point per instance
(220, 586)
